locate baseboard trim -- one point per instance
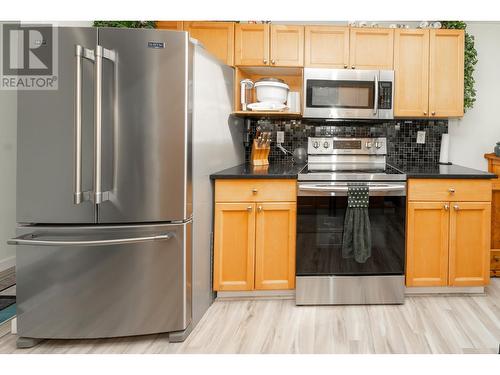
(256, 294)
(7, 263)
(422, 290)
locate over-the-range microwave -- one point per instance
(348, 94)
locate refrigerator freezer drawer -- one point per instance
(106, 281)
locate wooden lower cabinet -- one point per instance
(254, 238)
(234, 246)
(427, 244)
(254, 246)
(275, 245)
(447, 242)
(469, 241)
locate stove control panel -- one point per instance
(346, 146)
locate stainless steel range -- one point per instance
(324, 274)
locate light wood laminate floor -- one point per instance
(424, 324)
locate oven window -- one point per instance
(320, 227)
(340, 94)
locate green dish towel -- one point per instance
(357, 239)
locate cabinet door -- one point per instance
(234, 246)
(217, 37)
(469, 243)
(251, 46)
(326, 47)
(427, 244)
(287, 45)
(169, 25)
(411, 69)
(275, 246)
(446, 78)
(371, 48)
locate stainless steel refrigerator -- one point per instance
(114, 203)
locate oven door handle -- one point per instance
(345, 188)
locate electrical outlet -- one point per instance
(280, 137)
(421, 137)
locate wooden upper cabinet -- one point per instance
(469, 243)
(275, 245)
(234, 246)
(446, 83)
(251, 47)
(411, 70)
(427, 244)
(216, 37)
(371, 48)
(170, 25)
(287, 45)
(326, 47)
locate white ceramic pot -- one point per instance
(271, 91)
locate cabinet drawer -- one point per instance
(256, 190)
(449, 190)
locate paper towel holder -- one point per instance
(444, 150)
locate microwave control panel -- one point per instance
(385, 95)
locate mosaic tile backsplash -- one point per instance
(401, 136)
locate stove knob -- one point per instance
(316, 144)
(378, 144)
(326, 145)
(368, 145)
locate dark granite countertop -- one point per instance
(290, 171)
(247, 171)
(441, 171)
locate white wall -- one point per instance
(478, 131)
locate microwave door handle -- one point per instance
(375, 101)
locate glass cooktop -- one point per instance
(334, 172)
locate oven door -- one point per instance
(321, 209)
(340, 93)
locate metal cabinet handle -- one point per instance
(496, 258)
(255, 191)
(249, 208)
(446, 207)
(259, 209)
(451, 190)
(265, 61)
(352, 66)
(78, 195)
(425, 113)
(273, 61)
(100, 53)
(345, 66)
(433, 113)
(29, 239)
(456, 207)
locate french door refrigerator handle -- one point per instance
(80, 52)
(375, 101)
(100, 53)
(29, 239)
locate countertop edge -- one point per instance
(252, 177)
(452, 176)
